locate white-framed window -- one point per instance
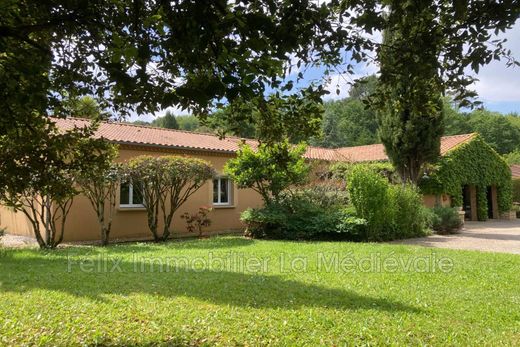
(130, 195)
(222, 191)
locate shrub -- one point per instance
(270, 169)
(297, 216)
(166, 183)
(410, 217)
(390, 211)
(350, 226)
(195, 222)
(516, 190)
(369, 193)
(325, 195)
(445, 220)
(516, 209)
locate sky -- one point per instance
(498, 86)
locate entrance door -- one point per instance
(466, 202)
(489, 203)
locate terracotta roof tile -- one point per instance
(145, 135)
(515, 171)
(377, 152)
(124, 133)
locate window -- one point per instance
(130, 195)
(222, 191)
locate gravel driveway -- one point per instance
(491, 236)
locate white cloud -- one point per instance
(148, 117)
(497, 82)
(343, 81)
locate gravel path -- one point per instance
(491, 236)
(14, 241)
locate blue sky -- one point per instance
(498, 86)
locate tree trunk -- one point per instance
(104, 236)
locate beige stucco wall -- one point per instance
(131, 223)
(434, 200)
(15, 223)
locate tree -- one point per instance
(428, 48)
(280, 117)
(85, 107)
(270, 169)
(46, 192)
(346, 123)
(148, 55)
(188, 122)
(168, 121)
(408, 97)
(496, 130)
(141, 122)
(100, 187)
(363, 87)
(512, 158)
(455, 122)
(144, 56)
(166, 183)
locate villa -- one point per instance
(221, 194)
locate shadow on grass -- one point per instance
(133, 247)
(258, 290)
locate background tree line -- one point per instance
(349, 122)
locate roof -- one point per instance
(124, 133)
(377, 152)
(515, 171)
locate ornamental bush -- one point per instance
(166, 183)
(445, 220)
(296, 216)
(391, 211)
(369, 194)
(410, 217)
(270, 169)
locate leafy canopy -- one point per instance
(270, 169)
(46, 182)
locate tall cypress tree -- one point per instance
(409, 93)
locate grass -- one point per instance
(70, 296)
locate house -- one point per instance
(129, 221)
(469, 174)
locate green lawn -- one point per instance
(46, 298)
